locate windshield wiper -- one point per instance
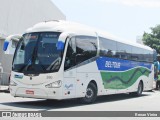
(54, 64)
(24, 66)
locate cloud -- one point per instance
(139, 3)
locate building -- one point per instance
(16, 17)
(139, 40)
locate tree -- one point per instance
(153, 39)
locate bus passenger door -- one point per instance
(69, 88)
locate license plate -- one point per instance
(31, 92)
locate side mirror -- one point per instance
(60, 45)
(10, 43)
(5, 45)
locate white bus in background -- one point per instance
(10, 44)
(62, 60)
(6, 56)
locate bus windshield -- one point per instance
(38, 53)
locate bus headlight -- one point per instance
(56, 84)
(13, 83)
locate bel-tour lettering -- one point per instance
(110, 64)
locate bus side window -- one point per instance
(107, 47)
(86, 48)
(123, 51)
(70, 54)
(137, 54)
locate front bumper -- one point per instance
(28, 92)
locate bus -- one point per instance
(64, 60)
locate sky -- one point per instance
(126, 19)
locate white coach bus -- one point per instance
(62, 60)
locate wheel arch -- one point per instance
(94, 82)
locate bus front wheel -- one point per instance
(91, 94)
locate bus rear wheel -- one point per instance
(139, 90)
(91, 94)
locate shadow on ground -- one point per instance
(4, 91)
(45, 105)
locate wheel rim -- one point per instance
(89, 93)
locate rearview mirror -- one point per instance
(10, 44)
(5, 45)
(60, 45)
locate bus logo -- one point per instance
(18, 76)
(68, 86)
(6, 114)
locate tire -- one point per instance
(139, 90)
(91, 94)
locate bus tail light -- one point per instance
(56, 84)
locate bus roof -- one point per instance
(78, 29)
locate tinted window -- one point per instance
(148, 56)
(86, 48)
(107, 47)
(137, 54)
(134, 55)
(70, 59)
(123, 51)
(38, 53)
(111, 48)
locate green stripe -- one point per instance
(123, 80)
